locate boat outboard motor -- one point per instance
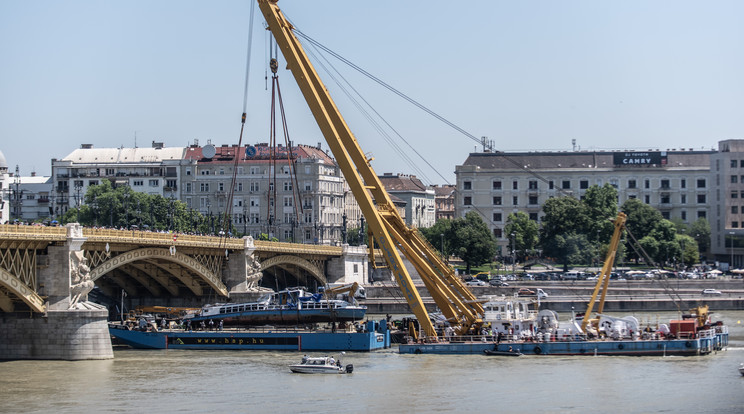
(349, 368)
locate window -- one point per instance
(515, 200)
(647, 184)
(467, 185)
(734, 194)
(222, 171)
(701, 214)
(733, 163)
(255, 170)
(204, 187)
(533, 185)
(665, 199)
(533, 216)
(78, 183)
(204, 172)
(109, 171)
(497, 217)
(734, 209)
(308, 185)
(288, 186)
(701, 198)
(240, 187)
(683, 183)
(188, 188)
(497, 185)
(138, 183)
(701, 183)
(220, 186)
(170, 183)
(287, 201)
(154, 183)
(532, 200)
(188, 171)
(468, 201)
(741, 163)
(734, 224)
(497, 233)
(734, 179)
(254, 186)
(631, 183)
(683, 214)
(515, 185)
(566, 184)
(683, 199)
(647, 199)
(497, 201)
(665, 215)
(93, 182)
(664, 183)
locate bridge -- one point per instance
(53, 269)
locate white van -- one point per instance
(571, 275)
(541, 294)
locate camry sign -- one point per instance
(639, 158)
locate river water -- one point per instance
(167, 381)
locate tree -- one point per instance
(440, 236)
(525, 233)
(121, 207)
(700, 230)
(642, 220)
(564, 218)
(471, 240)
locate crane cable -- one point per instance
(227, 219)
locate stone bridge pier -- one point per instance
(71, 328)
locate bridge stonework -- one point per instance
(44, 312)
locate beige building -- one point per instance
(677, 183)
(418, 198)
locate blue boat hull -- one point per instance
(256, 340)
(680, 347)
(287, 316)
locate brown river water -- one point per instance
(177, 381)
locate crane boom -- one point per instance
(388, 228)
(603, 280)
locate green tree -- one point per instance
(472, 241)
(524, 231)
(565, 217)
(642, 220)
(700, 230)
(440, 236)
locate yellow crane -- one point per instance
(452, 297)
(603, 280)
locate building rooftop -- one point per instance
(401, 182)
(90, 155)
(582, 159)
(258, 153)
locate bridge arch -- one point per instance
(19, 289)
(297, 261)
(164, 254)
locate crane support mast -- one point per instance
(388, 228)
(603, 281)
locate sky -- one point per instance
(529, 75)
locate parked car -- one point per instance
(497, 283)
(475, 282)
(541, 294)
(525, 292)
(711, 292)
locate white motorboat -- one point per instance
(321, 365)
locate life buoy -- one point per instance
(688, 344)
(538, 350)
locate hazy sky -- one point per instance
(529, 75)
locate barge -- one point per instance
(374, 335)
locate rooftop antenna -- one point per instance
(135, 139)
(573, 143)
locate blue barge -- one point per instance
(376, 336)
(705, 343)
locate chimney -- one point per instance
(86, 146)
(157, 145)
